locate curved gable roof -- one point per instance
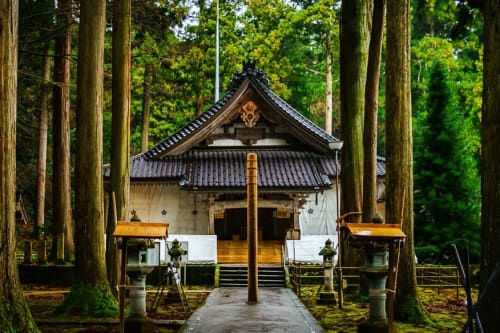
(250, 78)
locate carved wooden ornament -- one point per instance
(249, 114)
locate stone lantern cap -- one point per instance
(328, 251)
(176, 250)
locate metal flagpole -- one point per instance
(217, 55)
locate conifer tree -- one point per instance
(446, 178)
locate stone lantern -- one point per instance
(176, 252)
(327, 296)
(137, 269)
(136, 238)
(375, 238)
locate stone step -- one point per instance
(237, 276)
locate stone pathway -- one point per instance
(226, 310)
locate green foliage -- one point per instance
(427, 253)
(446, 171)
(89, 301)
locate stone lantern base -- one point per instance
(374, 326)
(139, 324)
(327, 297)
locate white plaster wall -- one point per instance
(149, 200)
(319, 215)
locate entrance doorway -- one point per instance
(233, 226)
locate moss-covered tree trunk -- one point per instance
(354, 44)
(90, 294)
(399, 173)
(371, 112)
(490, 166)
(61, 181)
(15, 315)
(120, 140)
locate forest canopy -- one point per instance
(173, 76)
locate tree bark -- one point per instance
(42, 143)
(355, 38)
(354, 42)
(371, 112)
(91, 289)
(399, 172)
(120, 140)
(88, 170)
(490, 166)
(61, 123)
(15, 315)
(146, 105)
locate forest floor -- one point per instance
(447, 312)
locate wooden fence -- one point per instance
(429, 276)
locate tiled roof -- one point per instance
(276, 170)
(172, 167)
(226, 169)
(260, 81)
(329, 165)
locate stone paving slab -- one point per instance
(226, 310)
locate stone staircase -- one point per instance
(237, 276)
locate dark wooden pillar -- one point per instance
(252, 223)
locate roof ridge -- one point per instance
(249, 71)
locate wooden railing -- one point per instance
(435, 276)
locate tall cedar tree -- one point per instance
(90, 294)
(61, 181)
(42, 140)
(490, 166)
(371, 112)
(354, 45)
(15, 315)
(399, 174)
(120, 140)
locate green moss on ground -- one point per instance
(89, 301)
(445, 310)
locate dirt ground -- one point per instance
(169, 313)
(446, 309)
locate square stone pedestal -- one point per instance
(327, 297)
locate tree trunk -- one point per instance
(91, 290)
(42, 143)
(490, 166)
(15, 315)
(371, 112)
(120, 140)
(399, 173)
(199, 103)
(146, 105)
(355, 38)
(354, 42)
(61, 123)
(329, 85)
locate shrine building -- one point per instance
(196, 179)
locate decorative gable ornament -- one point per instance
(250, 114)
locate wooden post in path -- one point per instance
(252, 239)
